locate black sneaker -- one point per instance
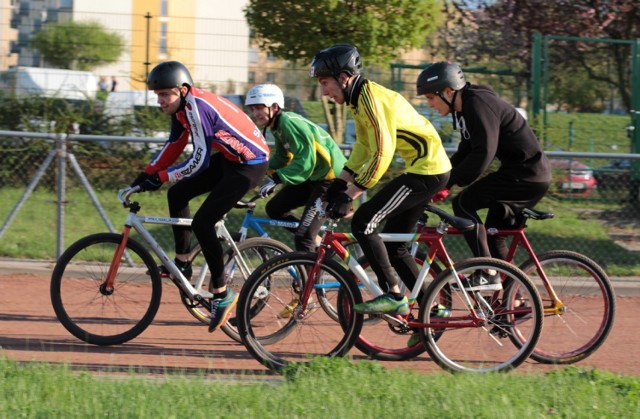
(184, 267)
(481, 281)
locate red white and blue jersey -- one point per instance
(214, 123)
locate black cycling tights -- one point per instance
(226, 183)
(399, 204)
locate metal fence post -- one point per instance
(61, 148)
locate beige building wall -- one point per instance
(210, 37)
(7, 35)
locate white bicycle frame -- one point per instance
(194, 292)
(375, 289)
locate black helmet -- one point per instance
(167, 75)
(340, 58)
(437, 76)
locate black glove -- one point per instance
(339, 206)
(141, 178)
(151, 183)
(337, 186)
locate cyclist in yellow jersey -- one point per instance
(385, 123)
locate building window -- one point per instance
(163, 44)
(251, 77)
(271, 77)
(253, 56)
(164, 8)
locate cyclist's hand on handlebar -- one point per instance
(152, 183)
(141, 178)
(337, 186)
(339, 206)
(440, 195)
(268, 186)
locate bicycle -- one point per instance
(578, 298)
(454, 325)
(581, 303)
(106, 287)
(258, 224)
(252, 222)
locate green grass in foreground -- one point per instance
(325, 388)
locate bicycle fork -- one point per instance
(107, 286)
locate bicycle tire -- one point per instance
(589, 307)
(253, 252)
(384, 341)
(325, 288)
(275, 337)
(463, 346)
(86, 309)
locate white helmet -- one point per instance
(265, 94)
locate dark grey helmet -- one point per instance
(167, 75)
(437, 76)
(340, 58)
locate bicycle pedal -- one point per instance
(499, 332)
(394, 319)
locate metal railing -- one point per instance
(100, 165)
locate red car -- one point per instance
(572, 177)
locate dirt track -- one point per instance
(177, 343)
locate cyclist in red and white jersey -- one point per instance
(230, 156)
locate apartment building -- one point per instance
(211, 37)
(7, 34)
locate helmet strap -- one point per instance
(348, 90)
(451, 105)
(183, 98)
(272, 117)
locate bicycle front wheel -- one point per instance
(575, 327)
(459, 341)
(93, 313)
(237, 268)
(287, 329)
(385, 338)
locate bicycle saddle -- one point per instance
(537, 215)
(462, 224)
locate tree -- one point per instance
(503, 30)
(296, 30)
(78, 45)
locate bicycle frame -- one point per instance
(433, 239)
(135, 221)
(520, 241)
(257, 224)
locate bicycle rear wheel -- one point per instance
(88, 310)
(237, 267)
(577, 329)
(280, 332)
(462, 344)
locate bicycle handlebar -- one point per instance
(124, 194)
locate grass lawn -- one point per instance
(327, 388)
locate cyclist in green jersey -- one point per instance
(306, 159)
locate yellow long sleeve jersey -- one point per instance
(385, 123)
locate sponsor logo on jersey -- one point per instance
(235, 145)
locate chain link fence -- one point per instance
(57, 188)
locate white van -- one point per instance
(49, 82)
(125, 102)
